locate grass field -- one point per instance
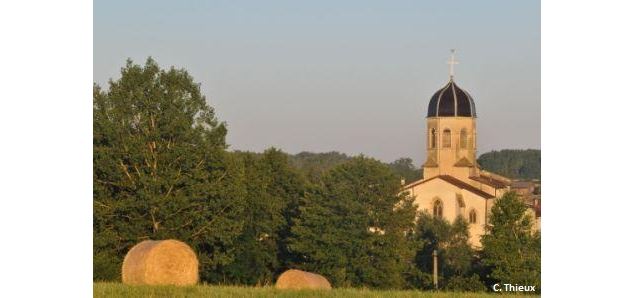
(119, 290)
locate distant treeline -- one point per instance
(162, 170)
(516, 164)
(314, 165)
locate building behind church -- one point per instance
(453, 184)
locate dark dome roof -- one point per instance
(451, 101)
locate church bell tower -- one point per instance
(451, 132)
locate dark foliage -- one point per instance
(352, 229)
(454, 254)
(160, 169)
(404, 168)
(314, 165)
(516, 164)
(511, 251)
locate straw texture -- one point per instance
(298, 279)
(164, 262)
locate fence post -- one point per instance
(435, 278)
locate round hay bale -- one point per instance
(298, 279)
(163, 262)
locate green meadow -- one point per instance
(103, 289)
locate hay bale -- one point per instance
(298, 279)
(164, 262)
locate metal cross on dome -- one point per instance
(452, 62)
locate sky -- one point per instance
(348, 76)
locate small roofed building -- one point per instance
(453, 184)
(529, 191)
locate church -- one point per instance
(453, 184)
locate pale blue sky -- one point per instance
(350, 76)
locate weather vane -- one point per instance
(452, 62)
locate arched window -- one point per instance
(472, 216)
(437, 209)
(447, 138)
(433, 138)
(463, 140)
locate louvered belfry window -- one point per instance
(433, 138)
(447, 138)
(463, 140)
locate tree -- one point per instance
(314, 165)
(352, 228)
(160, 169)
(289, 186)
(404, 168)
(454, 254)
(511, 251)
(519, 164)
(256, 245)
(273, 189)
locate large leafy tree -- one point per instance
(511, 250)
(288, 186)
(273, 190)
(352, 228)
(454, 254)
(160, 170)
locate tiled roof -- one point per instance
(460, 184)
(522, 184)
(490, 181)
(415, 183)
(456, 182)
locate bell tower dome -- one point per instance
(451, 132)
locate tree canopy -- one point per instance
(160, 168)
(352, 228)
(515, 164)
(511, 250)
(455, 255)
